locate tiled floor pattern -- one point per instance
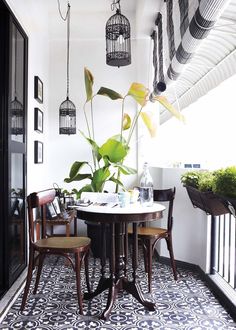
(186, 304)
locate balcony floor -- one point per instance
(185, 304)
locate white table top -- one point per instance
(131, 209)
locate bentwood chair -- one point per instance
(149, 236)
(64, 246)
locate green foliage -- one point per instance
(108, 159)
(201, 180)
(205, 181)
(191, 178)
(224, 182)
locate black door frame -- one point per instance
(7, 146)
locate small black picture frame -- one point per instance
(38, 89)
(38, 120)
(38, 152)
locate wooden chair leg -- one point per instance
(149, 260)
(40, 266)
(68, 229)
(172, 259)
(37, 231)
(78, 284)
(75, 227)
(28, 279)
(87, 271)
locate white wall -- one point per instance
(191, 225)
(35, 24)
(90, 53)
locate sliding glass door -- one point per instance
(13, 109)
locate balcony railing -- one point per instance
(223, 247)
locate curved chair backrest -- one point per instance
(166, 195)
(35, 200)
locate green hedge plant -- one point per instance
(224, 182)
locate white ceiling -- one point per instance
(214, 61)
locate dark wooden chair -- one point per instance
(64, 246)
(149, 236)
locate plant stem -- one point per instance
(133, 125)
(92, 119)
(86, 119)
(122, 116)
(93, 135)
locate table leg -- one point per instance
(104, 283)
(113, 287)
(133, 287)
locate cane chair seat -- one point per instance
(65, 243)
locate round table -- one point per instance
(118, 219)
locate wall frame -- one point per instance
(38, 152)
(38, 89)
(38, 120)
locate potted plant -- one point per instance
(224, 185)
(199, 188)
(108, 159)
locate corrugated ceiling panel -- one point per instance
(214, 61)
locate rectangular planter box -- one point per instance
(207, 201)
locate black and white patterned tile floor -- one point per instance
(186, 304)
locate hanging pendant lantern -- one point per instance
(67, 110)
(16, 107)
(118, 45)
(17, 115)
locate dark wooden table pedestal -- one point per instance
(118, 279)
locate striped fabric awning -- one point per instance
(179, 29)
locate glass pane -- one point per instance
(17, 213)
(16, 110)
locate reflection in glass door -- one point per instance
(13, 109)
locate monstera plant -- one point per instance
(108, 159)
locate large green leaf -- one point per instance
(114, 150)
(99, 178)
(87, 188)
(125, 169)
(88, 79)
(76, 167)
(139, 93)
(163, 100)
(149, 122)
(94, 146)
(78, 177)
(75, 175)
(116, 181)
(110, 93)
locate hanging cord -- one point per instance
(149, 62)
(115, 5)
(15, 94)
(66, 18)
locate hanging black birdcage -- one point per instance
(17, 117)
(118, 46)
(67, 117)
(67, 110)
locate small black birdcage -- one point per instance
(118, 45)
(67, 110)
(67, 117)
(17, 117)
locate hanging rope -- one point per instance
(115, 4)
(66, 18)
